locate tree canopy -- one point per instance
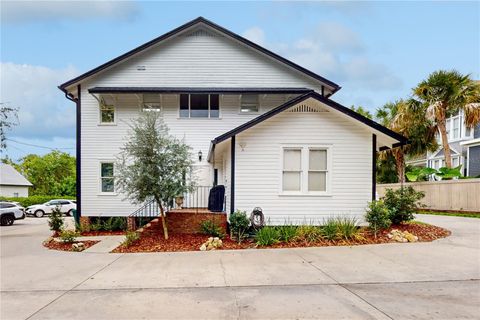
(153, 164)
(51, 174)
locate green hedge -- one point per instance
(28, 201)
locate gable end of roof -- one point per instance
(335, 87)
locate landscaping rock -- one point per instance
(211, 244)
(78, 246)
(402, 236)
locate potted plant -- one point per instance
(179, 201)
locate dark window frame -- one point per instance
(210, 108)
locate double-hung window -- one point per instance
(197, 105)
(306, 170)
(249, 103)
(292, 169)
(107, 110)
(107, 177)
(151, 102)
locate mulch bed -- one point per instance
(55, 245)
(102, 233)
(153, 241)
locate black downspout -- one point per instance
(78, 151)
(323, 91)
(232, 175)
(374, 166)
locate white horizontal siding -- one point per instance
(11, 191)
(258, 167)
(103, 142)
(203, 61)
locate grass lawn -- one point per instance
(454, 214)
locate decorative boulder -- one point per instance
(402, 236)
(78, 246)
(211, 244)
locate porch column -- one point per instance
(232, 175)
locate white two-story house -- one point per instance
(464, 147)
(257, 123)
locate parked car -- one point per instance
(65, 206)
(9, 212)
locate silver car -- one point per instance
(9, 212)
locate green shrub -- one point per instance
(96, 225)
(347, 227)
(29, 201)
(308, 233)
(377, 216)
(287, 233)
(130, 238)
(68, 236)
(113, 224)
(55, 220)
(239, 224)
(330, 229)
(211, 228)
(402, 203)
(267, 236)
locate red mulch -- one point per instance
(102, 233)
(152, 240)
(55, 245)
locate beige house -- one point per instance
(12, 183)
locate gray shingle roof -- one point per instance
(11, 177)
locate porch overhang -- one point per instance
(394, 139)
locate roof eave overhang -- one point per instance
(374, 125)
(177, 90)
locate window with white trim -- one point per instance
(106, 177)
(249, 103)
(305, 169)
(292, 169)
(197, 105)
(317, 170)
(107, 110)
(151, 102)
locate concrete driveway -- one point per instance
(439, 280)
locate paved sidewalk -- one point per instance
(106, 244)
(438, 280)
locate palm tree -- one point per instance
(407, 118)
(445, 93)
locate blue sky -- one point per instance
(377, 51)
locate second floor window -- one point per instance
(199, 106)
(249, 103)
(107, 110)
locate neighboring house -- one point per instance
(464, 146)
(259, 124)
(12, 183)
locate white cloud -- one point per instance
(255, 34)
(338, 53)
(34, 11)
(44, 112)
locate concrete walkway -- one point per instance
(439, 280)
(106, 244)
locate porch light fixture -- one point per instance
(200, 156)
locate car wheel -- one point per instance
(7, 220)
(39, 213)
(70, 212)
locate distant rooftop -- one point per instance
(11, 177)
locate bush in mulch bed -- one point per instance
(153, 241)
(66, 246)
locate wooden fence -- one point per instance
(449, 195)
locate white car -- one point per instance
(9, 212)
(39, 210)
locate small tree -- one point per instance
(377, 216)
(153, 164)
(55, 220)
